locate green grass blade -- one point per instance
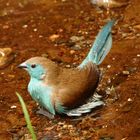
(27, 117)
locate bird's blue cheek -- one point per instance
(37, 72)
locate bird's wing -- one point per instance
(94, 102)
(76, 85)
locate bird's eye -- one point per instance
(33, 65)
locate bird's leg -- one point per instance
(44, 112)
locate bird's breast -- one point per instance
(34, 89)
(42, 94)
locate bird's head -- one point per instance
(36, 67)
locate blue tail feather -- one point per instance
(101, 46)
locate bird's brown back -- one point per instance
(75, 86)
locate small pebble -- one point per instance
(108, 66)
(53, 37)
(7, 4)
(11, 76)
(60, 30)
(13, 106)
(31, 36)
(129, 100)
(76, 47)
(63, 0)
(25, 26)
(6, 56)
(40, 36)
(76, 38)
(68, 66)
(35, 29)
(72, 51)
(104, 126)
(109, 81)
(126, 72)
(5, 27)
(124, 138)
(137, 26)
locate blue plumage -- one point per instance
(41, 94)
(101, 46)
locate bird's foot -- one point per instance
(45, 113)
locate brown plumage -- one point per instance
(76, 85)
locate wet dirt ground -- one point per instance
(36, 28)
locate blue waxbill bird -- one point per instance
(66, 91)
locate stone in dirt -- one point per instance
(6, 57)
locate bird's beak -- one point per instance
(23, 66)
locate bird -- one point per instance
(68, 91)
